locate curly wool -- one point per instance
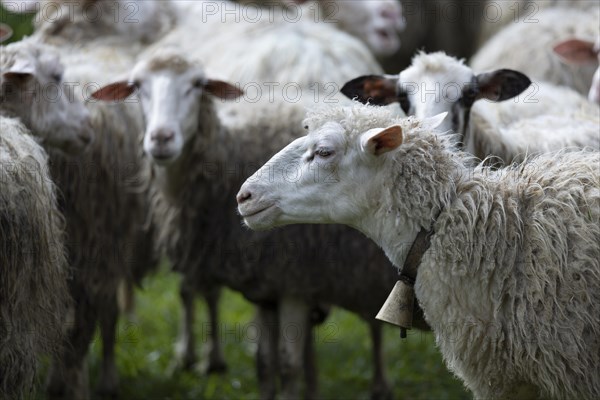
(547, 118)
(511, 281)
(33, 276)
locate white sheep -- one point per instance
(286, 275)
(106, 240)
(33, 105)
(436, 83)
(534, 56)
(500, 14)
(306, 63)
(129, 24)
(376, 23)
(33, 91)
(33, 290)
(510, 281)
(578, 51)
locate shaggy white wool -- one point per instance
(511, 281)
(534, 56)
(33, 269)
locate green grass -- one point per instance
(145, 352)
(20, 23)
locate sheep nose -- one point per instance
(162, 136)
(243, 196)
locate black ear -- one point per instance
(373, 89)
(502, 84)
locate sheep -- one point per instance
(33, 91)
(578, 51)
(499, 14)
(437, 82)
(67, 23)
(510, 280)
(286, 275)
(103, 198)
(298, 46)
(534, 56)
(33, 289)
(376, 23)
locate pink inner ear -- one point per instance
(386, 140)
(576, 51)
(223, 90)
(114, 92)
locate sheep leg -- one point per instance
(266, 356)
(293, 327)
(109, 377)
(68, 378)
(216, 361)
(185, 349)
(381, 389)
(310, 365)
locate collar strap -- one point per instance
(410, 268)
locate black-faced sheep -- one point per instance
(508, 130)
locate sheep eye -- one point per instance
(324, 153)
(198, 83)
(57, 77)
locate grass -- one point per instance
(145, 353)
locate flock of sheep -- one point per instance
(129, 126)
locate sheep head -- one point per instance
(437, 83)
(176, 96)
(332, 175)
(31, 89)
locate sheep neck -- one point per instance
(430, 173)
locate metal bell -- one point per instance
(398, 308)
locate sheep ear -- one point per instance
(5, 32)
(576, 51)
(18, 73)
(433, 122)
(380, 141)
(223, 90)
(373, 89)
(502, 84)
(114, 92)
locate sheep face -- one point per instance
(332, 175)
(32, 90)
(437, 83)
(171, 104)
(377, 23)
(173, 92)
